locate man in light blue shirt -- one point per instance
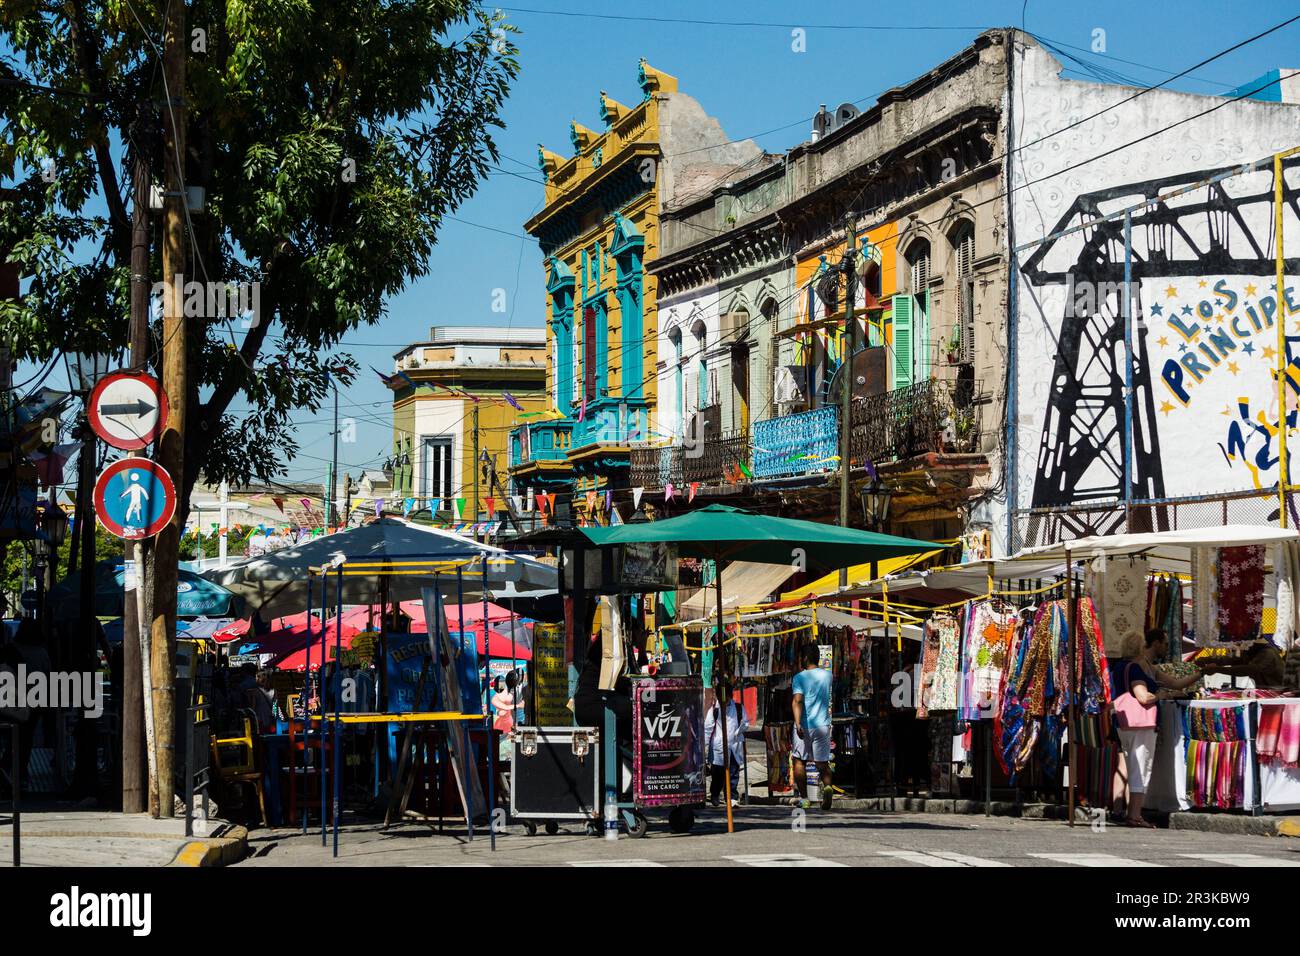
(812, 724)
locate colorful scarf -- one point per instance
(1215, 773)
(1278, 738)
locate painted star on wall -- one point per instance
(1250, 290)
(1187, 310)
(1163, 342)
(1249, 348)
(1171, 292)
(1166, 408)
(1233, 368)
(1156, 310)
(1267, 352)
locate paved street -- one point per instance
(765, 837)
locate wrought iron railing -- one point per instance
(711, 461)
(933, 415)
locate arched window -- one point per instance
(700, 333)
(963, 247)
(911, 321)
(679, 389)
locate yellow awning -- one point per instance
(858, 574)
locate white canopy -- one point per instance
(1167, 550)
(276, 583)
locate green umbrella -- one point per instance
(733, 534)
(724, 533)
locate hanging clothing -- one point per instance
(736, 727)
(943, 688)
(1119, 591)
(929, 661)
(1241, 592)
(990, 626)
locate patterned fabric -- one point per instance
(1241, 592)
(1165, 609)
(1119, 590)
(1278, 738)
(929, 660)
(943, 690)
(1205, 594)
(1215, 724)
(990, 627)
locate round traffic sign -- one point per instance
(135, 498)
(128, 409)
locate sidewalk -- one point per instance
(58, 837)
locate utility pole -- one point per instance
(135, 785)
(474, 505)
(171, 445)
(86, 775)
(331, 503)
(846, 375)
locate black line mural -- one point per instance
(1204, 340)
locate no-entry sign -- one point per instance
(128, 409)
(135, 498)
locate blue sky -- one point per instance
(751, 79)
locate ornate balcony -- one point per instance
(793, 445)
(539, 453)
(932, 416)
(713, 461)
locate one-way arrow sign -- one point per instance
(138, 407)
(127, 409)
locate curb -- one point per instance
(1230, 824)
(1236, 825)
(217, 851)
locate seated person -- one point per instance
(1262, 663)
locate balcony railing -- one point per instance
(541, 441)
(611, 421)
(713, 461)
(800, 444)
(653, 466)
(934, 415)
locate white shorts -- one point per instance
(814, 745)
(1140, 753)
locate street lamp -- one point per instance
(875, 504)
(51, 531)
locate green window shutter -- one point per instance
(922, 339)
(902, 341)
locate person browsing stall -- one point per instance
(1136, 687)
(812, 724)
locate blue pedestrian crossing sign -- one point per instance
(135, 498)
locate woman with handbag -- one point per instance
(1136, 689)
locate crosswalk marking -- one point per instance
(1241, 859)
(781, 859)
(613, 863)
(1091, 859)
(940, 858)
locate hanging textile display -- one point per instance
(1165, 609)
(990, 626)
(1286, 567)
(778, 740)
(1241, 592)
(1216, 749)
(1037, 692)
(947, 665)
(1277, 740)
(1119, 591)
(929, 660)
(1205, 595)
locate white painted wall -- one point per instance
(1191, 434)
(680, 314)
(442, 418)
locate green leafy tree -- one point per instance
(331, 137)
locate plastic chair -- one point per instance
(235, 760)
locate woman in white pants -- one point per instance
(1137, 676)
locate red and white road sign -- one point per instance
(128, 409)
(135, 498)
